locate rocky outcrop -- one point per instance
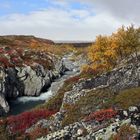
(117, 79)
(27, 67)
(92, 130)
(26, 81)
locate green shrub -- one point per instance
(93, 100)
(127, 98)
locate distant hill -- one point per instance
(22, 40)
(75, 43)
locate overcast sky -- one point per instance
(67, 19)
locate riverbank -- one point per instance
(26, 103)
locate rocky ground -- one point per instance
(82, 106)
(119, 79)
(88, 130)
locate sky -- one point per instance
(67, 20)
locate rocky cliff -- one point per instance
(125, 77)
(26, 70)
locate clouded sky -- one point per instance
(66, 19)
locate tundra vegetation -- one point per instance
(106, 53)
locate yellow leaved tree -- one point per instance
(107, 51)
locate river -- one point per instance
(25, 103)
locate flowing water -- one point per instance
(22, 104)
(25, 103)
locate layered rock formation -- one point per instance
(25, 81)
(116, 80)
(25, 71)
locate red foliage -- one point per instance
(4, 61)
(11, 53)
(19, 51)
(1, 50)
(101, 115)
(15, 60)
(73, 79)
(25, 120)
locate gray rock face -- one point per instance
(4, 104)
(25, 81)
(74, 65)
(33, 80)
(118, 79)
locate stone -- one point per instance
(79, 132)
(133, 108)
(4, 104)
(26, 81)
(125, 113)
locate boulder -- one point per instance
(26, 81)
(132, 109)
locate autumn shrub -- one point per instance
(86, 69)
(19, 123)
(88, 72)
(101, 115)
(11, 52)
(45, 63)
(5, 62)
(100, 99)
(1, 50)
(108, 51)
(72, 80)
(20, 51)
(102, 54)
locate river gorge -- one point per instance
(26, 103)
